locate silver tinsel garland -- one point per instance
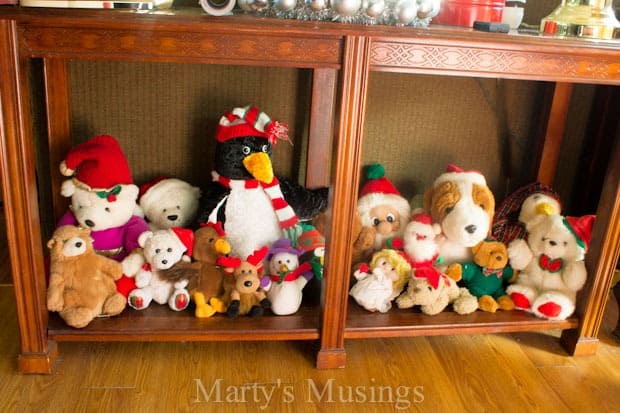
(416, 13)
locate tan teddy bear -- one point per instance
(81, 283)
(486, 275)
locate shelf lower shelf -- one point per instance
(409, 323)
(159, 323)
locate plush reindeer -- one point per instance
(246, 295)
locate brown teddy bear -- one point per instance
(81, 283)
(486, 275)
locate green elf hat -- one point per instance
(581, 228)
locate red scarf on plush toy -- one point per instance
(284, 212)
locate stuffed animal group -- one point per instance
(535, 264)
(173, 243)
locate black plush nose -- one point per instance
(89, 223)
(471, 228)
(247, 284)
(172, 217)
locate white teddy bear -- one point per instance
(169, 202)
(162, 249)
(551, 265)
(103, 199)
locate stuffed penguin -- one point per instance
(255, 206)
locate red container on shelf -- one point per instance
(465, 12)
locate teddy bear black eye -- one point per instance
(482, 206)
(265, 148)
(107, 209)
(157, 250)
(390, 218)
(211, 239)
(246, 150)
(429, 288)
(169, 250)
(565, 243)
(449, 209)
(375, 221)
(178, 207)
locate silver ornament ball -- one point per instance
(374, 8)
(346, 7)
(285, 5)
(425, 8)
(405, 11)
(316, 5)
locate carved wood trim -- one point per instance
(487, 61)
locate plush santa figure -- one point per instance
(420, 247)
(382, 207)
(103, 199)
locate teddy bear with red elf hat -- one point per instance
(103, 199)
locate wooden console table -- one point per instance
(341, 57)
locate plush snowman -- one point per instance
(286, 278)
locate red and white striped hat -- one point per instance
(250, 121)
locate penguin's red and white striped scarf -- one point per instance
(284, 212)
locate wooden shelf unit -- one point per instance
(342, 57)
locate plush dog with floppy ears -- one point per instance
(463, 205)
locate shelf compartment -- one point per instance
(410, 323)
(159, 323)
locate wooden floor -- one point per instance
(524, 372)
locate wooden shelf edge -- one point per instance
(406, 323)
(158, 323)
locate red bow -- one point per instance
(549, 264)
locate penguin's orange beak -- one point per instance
(259, 166)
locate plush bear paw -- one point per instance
(139, 300)
(505, 303)
(488, 304)
(78, 317)
(179, 300)
(520, 301)
(114, 305)
(553, 306)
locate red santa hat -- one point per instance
(250, 121)
(379, 190)
(98, 163)
(146, 187)
(581, 228)
(186, 237)
(454, 173)
(422, 218)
